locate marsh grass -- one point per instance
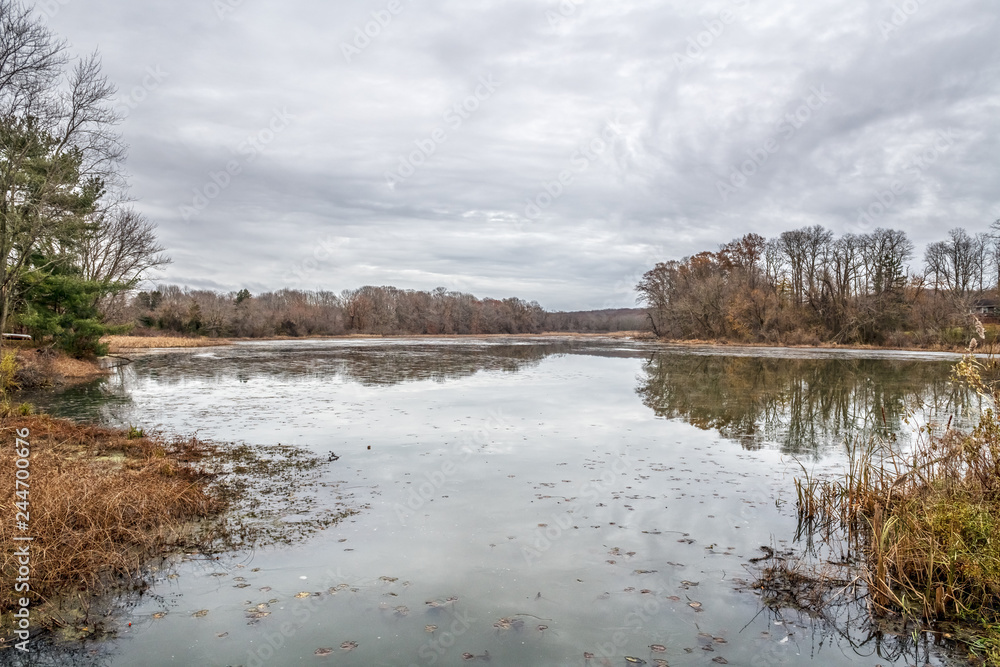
(108, 506)
(101, 506)
(117, 344)
(924, 524)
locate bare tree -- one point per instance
(121, 248)
(957, 265)
(59, 151)
(885, 252)
(655, 290)
(806, 252)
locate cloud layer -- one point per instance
(549, 150)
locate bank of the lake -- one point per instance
(126, 344)
(920, 524)
(819, 345)
(28, 367)
(94, 506)
(103, 510)
(132, 344)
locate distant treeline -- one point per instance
(367, 310)
(807, 286)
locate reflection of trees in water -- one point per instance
(846, 626)
(802, 405)
(106, 400)
(370, 365)
(109, 400)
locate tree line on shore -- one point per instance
(366, 310)
(369, 310)
(809, 286)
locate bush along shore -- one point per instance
(100, 510)
(921, 525)
(94, 506)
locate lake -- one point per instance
(522, 501)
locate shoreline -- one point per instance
(39, 368)
(133, 344)
(160, 498)
(87, 482)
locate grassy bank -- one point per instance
(924, 524)
(37, 367)
(102, 502)
(105, 504)
(125, 344)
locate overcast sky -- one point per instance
(327, 145)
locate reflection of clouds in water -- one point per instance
(547, 424)
(369, 365)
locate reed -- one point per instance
(925, 523)
(117, 344)
(103, 502)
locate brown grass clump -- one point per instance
(925, 523)
(45, 367)
(102, 503)
(118, 344)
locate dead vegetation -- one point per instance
(786, 580)
(122, 344)
(923, 522)
(105, 504)
(46, 367)
(101, 505)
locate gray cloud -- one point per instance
(691, 92)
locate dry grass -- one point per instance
(102, 504)
(925, 523)
(46, 367)
(119, 344)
